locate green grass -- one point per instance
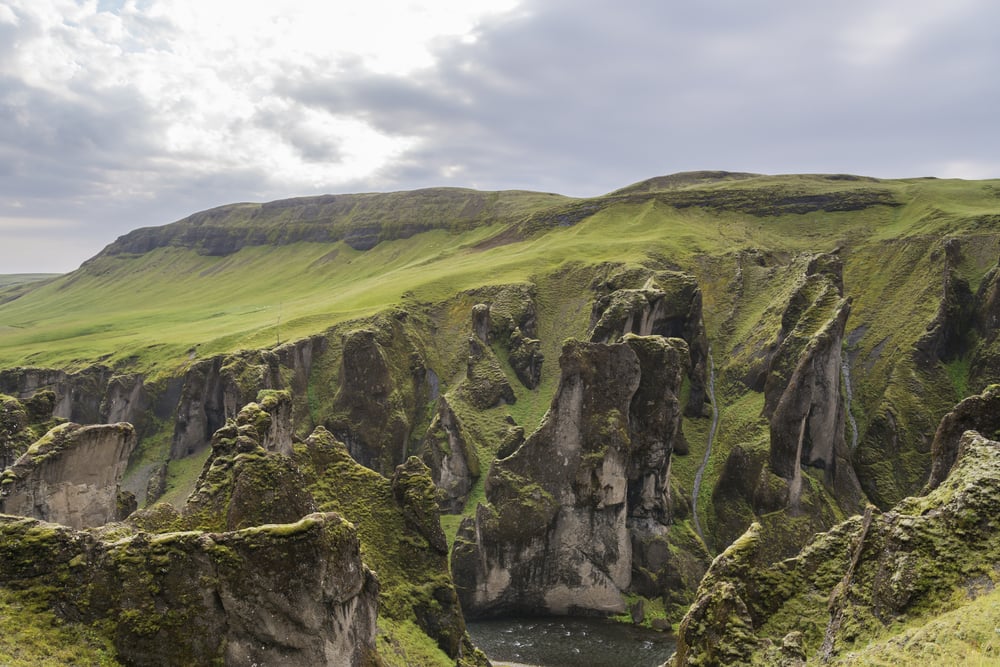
(182, 475)
(11, 279)
(968, 635)
(31, 635)
(155, 309)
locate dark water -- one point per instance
(570, 642)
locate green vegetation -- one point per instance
(397, 276)
(967, 635)
(140, 307)
(11, 279)
(31, 635)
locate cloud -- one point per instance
(124, 114)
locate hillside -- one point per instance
(705, 352)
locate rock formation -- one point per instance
(865, 577)
(398, 523)
(669, 304)
(243, 484)
(71, 476)
(979, 413)
(452, 461)
(22, 422)
(802, 391)
(556, 535)
(382, 388)
(78, 396)
(292, 594)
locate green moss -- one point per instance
(31, 635)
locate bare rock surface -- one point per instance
(71, 476)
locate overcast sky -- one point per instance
(122, 114)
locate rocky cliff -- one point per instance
(846, 316)
(70, 476)
(563, 509)
(868, 576)
(291, 594)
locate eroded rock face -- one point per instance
(399, 526)
(125, 400)
(452, 462)
(851, 583)
(22, 422)
(555, 536)
(78, 396)
(976, 413)
(290, 594)
(485, 385)
(802, 392)
(201, 410)
(71, 476)
(670, 305)
(383, 386)
(244, 483)
(946, 335)
(509, 316)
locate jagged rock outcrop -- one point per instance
(482, 323)
(555, 534)
(802, 393)
(668, 304)
(290, 594)
(485, 385)
(804, 479)
(984, 365)
(946, 335)
(242, 483)
(508, 316)
(975, 413)
(22, 423)
(398, 523)
(70, 476)
(201, 409)
(866, 577)
(383, 387)
(453, 463)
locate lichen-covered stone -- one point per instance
(401, 538)
(383, 389)
(863, 578)
(244, 485)
(291, 594)
(669, 305)
(485, 384)
(978, 413)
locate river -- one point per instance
(570, 642)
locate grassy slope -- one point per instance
(967, 635)
(160, 305)
(11, 279)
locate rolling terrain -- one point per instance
(828, 322)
